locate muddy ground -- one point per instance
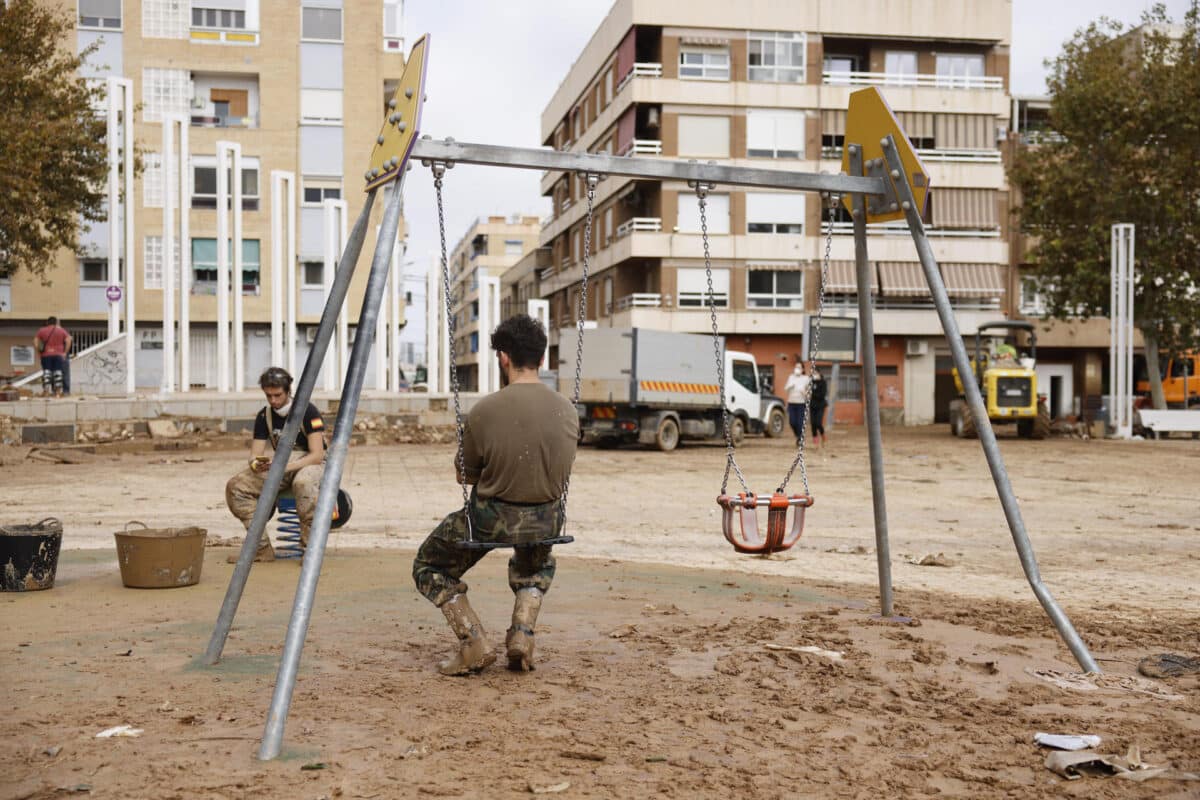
(660, 670)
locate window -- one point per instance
(318, 190)
(152, 188)
(606, 300)
(164, 19)
(609, 83)
(152, 262)
(692, 288)
(770, 288)
(393, 25)
(776, 56)
(703, 136)
(745, 375)
(959, 69)
(839, 68)
(716, 212)
(475, 342)
(776, 212)
(312, 274)
(901, 67)
(704, 63)
(321, 106)
(220, 18)
(165, 91)
(609, 232)
(100, 14)
(204, 183)
(204, 265)
(513, 247)
(774, 134)
(95, 270)
(849, 385)
(1033, 301)
(324, 24)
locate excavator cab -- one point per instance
(1008, 382)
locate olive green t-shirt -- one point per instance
(519, 443)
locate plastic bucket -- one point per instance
(160, 558)
(29, 555)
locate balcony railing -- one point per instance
(642, 300)
(965, 156)
(643, 147)
(991, 82)
(901, 229)
(642, 69)
(212, 121)
(639, 224)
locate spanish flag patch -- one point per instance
(317, 424)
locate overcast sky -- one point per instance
(494, 66)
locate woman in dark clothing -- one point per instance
(818, 399)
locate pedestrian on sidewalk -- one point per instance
(518, 449)
(797, 396)
(818, 400)
(53, 343)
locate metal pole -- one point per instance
(833, 392)
(483, 326)
(185, 260)
(330, 373)
(445, 345)
(987, 437)
(493, 298)
(114, 197)
(291, 273)
(344, 317)
(239, 280)
(433, 337)
(866, 324)
(395, 286)
(304, 388)
(310, 570)
(222, 269)
(277, 248)
(130, 250)
(381, 322)
(168, 255)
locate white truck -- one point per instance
(657, 388)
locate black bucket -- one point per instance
(29, 555)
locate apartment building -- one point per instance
(301, 86)
(485, 253)
(766, 84)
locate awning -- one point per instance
(833, 122)
(843, 279)
(902, 279)
(965, 132)
(705, 41)
(974, 280)
(971, 209)
(916, 123)
(777, 266)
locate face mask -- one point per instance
(283, 412)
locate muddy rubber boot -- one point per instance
(519, 640)
(265, 553)
(474, 650)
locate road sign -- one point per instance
(868, 120)
(113, 293)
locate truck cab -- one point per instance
(746, 400)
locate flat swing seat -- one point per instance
(746, 536)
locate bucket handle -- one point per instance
(136, 522)
(40, 523)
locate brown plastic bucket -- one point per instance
(160, 558)
(29, 555)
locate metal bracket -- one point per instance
(889, 200)
(440, 166)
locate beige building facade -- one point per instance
(766, 83)
(301, 86)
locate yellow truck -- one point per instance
(1008, 384)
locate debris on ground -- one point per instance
(1168, 665)
(1130, 766)
(120, 730)
(1067, 741)
(930, 560)
(553, 788)
(1096, 681)
(163, 429)
(832, 655)
(852, 550)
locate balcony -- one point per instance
(642, 147)
(640, 70)
(642, 300)
(639, 224)
(901, 229)
(931, 156)
(987, 82)
(215, 121)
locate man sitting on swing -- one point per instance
(518, 448)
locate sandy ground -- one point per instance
(657, 671)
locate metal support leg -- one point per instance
(866, 325)
(987, 437)
(266, 501)
(335, 461)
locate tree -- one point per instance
(1126, 110)
(53, 153)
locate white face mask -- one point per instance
(283, 412)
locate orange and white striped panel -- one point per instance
(673, 386)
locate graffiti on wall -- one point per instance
(101, 371)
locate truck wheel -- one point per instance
(666, 438)
(1041, 425)
(967, 423)
(776, 423)
(737, 430)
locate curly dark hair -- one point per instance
(524, 340)
(276, 378)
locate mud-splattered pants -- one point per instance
(441, 563)
(243, 490)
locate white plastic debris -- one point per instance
(1067, 741)
(119, 730)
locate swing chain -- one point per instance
(702, 190)
(439, 170)
(592, 180)
(833, 200)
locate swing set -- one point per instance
(882, 179)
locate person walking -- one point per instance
(53, 343)
(818, 400)
(797, 396)
(518, 449)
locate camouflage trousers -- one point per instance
(441, 563)
(243, 490)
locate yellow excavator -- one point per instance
(1008, 384)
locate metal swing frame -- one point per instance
(862, 185)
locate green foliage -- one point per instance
(1127, 109)
(53, 159)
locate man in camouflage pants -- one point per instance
(518, 448)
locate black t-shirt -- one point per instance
(312, 424)
(819, 392)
